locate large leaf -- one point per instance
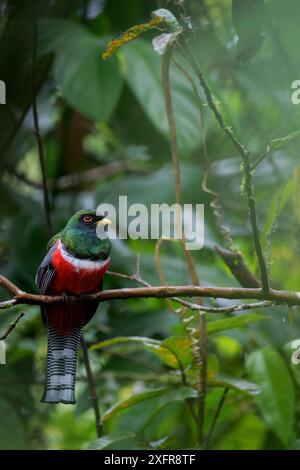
(169, 394)
(276, 401)
(143, 75)
(125, 340)
(174, 351)
(233, 322)
(238, 385)
(89, 84)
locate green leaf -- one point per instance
(170, 394)
(233, 322)
(89, 84)
(106, 441)
(276, 143)
(174, 351)
(238, 385)
(279, 201)
(143, 70)
(276, 401)
(125, 340)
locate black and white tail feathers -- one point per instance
(61, 366)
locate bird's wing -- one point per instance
(91, 307)
(53, 240)
(45, 272)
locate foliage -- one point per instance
(93, 113)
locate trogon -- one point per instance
(75, 264)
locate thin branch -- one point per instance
(70, 182)
(8, 304)
(193, 306)
(9, 286)
(230, 309)
(92, 389)
(36, 124)
(96, 174)
(260, 159)
(12, 326)
(246, 163)
(216, 415)
(237, 265)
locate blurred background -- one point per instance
(105, 134)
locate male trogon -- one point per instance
(74, 265)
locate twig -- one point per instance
(92, 389)
(36, 123)
(236, 263)
(260, 159)
(12, 326)
(246, 164)
(216, 415)
(70, 182)
(193, 306)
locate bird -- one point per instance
(77, 259)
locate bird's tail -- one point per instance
(61, 366)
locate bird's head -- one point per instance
(81, 237)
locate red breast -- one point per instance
(74, 275)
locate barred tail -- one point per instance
(61, 366)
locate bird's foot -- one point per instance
(65, 297)
(83, 297)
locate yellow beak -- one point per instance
(104, 222)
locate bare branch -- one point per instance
(12, 326)
(158, 292)
(238, 267)
(9, 286)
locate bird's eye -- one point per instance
(88, 219)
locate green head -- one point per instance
(80, 235)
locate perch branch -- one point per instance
(193, 306)
(158, 292)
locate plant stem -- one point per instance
(199, 345)
(216, 415)
(92, 389)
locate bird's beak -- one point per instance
(104, 222)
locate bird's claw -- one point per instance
(65, 297)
